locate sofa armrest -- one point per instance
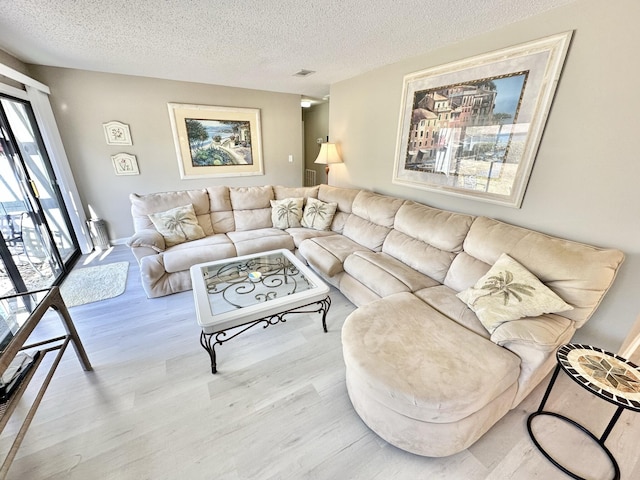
(534, 340)
(544, 333)
(146, 240)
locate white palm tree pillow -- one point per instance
(318, 214)
(286, 213)
(508, 291)
(177, 225)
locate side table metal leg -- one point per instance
(613, 421)
(549, 388)
(205, 341)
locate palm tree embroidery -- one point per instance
(175, 221)
(316, 210)
(285, 210)
(503, 285)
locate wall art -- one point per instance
(472, 128)
(215, 141)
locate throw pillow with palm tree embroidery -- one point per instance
(286, 213)
(318, 214)
(508, 291)
(177, 225)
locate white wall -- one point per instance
(585, 181)
(82, 101)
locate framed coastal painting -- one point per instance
(216, 141)
(471, 128)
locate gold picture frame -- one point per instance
(472, 128)
(214, 141)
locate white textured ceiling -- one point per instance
(257, 44)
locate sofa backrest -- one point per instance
(281, 192)
(220, 210)
(427, 239)
(251, 207)
(371, 219)
(580, 274)
(144, 205)
(344, 197)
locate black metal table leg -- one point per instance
(600, 441)
(209, 343)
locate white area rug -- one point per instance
(92, 284)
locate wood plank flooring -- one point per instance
(277, 409)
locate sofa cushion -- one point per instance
(448, 372)
(286, 213)
(318, 215)
(444, 300)
(384, 274)
(251, 207)
(281, 192)
(144, 205)
(177, 225)
(371, 219)
(508, 291)
(212, 247)
(220, 209)
(260, 240)
(427, 239)
(579, 274)
(301, 234)
(344, 197)
(327, 254)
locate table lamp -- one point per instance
(328, 154)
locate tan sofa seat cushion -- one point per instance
(444, 300)
(301, 234)
(384, 274)
(183, 256)
(448, 372)
(327, 254)
(261, 240)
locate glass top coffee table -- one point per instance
(259, 289)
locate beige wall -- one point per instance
(316, 125)
(585, 181)
(82, 101)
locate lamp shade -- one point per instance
(328, 154)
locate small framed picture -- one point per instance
(125, 164)
(117, 133)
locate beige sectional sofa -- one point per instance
(423, 369)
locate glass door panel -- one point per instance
(35, 241)
(42, 179)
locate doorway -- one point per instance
(36, 244)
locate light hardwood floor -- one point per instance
(277, 409)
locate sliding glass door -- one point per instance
(36, 244)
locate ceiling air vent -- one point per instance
(303, 73)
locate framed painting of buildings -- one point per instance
(216, 141)
(472, 128)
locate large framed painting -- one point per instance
(216, 141)
(472, 128)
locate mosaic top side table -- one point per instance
(604, 374)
